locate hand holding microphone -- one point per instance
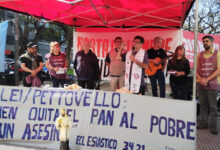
(132, 54)
(133, 49)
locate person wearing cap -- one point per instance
(56, 63)
(31, 64)
(63, 124)
(116, 65)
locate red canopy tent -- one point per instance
(114, 14)
(122, 15)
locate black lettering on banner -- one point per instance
(104, 70)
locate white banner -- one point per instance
(101, 120)
(103, 42)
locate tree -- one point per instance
(61, 33)
(28, 26)
(208, 18)
(68, 38)
(32, 29)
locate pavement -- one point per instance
(10, 147)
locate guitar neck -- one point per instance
(161, 60)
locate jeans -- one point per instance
(56, 82)
(158, 77)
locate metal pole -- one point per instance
(195, 49)
(74, 43)
(16, 50)
(97, 11)
(74, 30)
(195, 57)
(182, 15)
(142, 14)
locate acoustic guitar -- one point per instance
(152, 68)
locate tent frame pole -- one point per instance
(195, 57)
(184, 12)
(77, 15)
(144, 14)
(151, 24)
(97, 12)
(16, 50)
(182, 15)
(74, 30)
(195, 49)
(9, 0)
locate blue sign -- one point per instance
(3, 33)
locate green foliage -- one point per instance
(208, 18)
(50, 34)
(70, 72)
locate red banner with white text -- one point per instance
(188, 41)
(103, 42)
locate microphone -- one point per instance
(133, 50)
(168, 51)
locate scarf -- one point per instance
(136, 74)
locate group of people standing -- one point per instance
(85, 65)
(132, 66)
(32, 64)
(134, 63)
(129, 68)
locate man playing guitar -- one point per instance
(156, 55)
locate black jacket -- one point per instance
(179, 65)
(86, 66)
(28, 59)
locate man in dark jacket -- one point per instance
(86, 67)
(31, 64)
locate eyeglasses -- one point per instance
(136, 42)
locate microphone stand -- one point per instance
(168, 51)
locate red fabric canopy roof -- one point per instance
(107, 13)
